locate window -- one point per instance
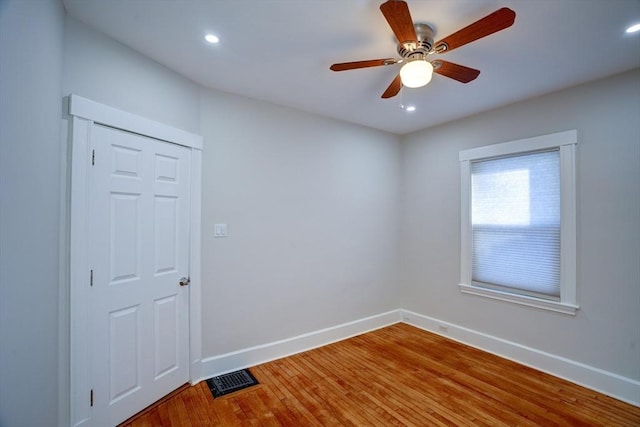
(518, 232)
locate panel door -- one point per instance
(139, 251)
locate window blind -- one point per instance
(515, 221)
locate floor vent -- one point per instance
(233, 381)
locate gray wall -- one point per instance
(311, 206)
(31, 43)
(103, 70)
(317, 226)
(310, 202)
(605, 332)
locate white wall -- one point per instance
(605, 333)
(31, 43)
(311, 203)
(104, 70)
(311, 206)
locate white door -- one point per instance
(138, 252)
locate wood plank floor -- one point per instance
(395, 376)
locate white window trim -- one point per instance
(566, 142)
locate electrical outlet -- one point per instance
(443, 328)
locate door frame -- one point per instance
(83, 114)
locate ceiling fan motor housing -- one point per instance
(422, 46)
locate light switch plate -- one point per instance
(220, 230)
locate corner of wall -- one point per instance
(609, 383)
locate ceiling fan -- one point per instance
(415, 44)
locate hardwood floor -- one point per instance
(395, 376)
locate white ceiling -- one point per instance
(280, 51)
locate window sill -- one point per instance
(558, 307)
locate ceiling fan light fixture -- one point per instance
(416, 73)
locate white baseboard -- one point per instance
(229, 362)
(614, 385)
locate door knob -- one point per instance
(184, 281)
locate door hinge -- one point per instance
(93, 157)
(91, 278)
(91, 397)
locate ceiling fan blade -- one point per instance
(454, 71)
(393, 88)
(498, 20)
(343, 66)
(397, 15)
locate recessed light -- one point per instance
(633, 29)
(211, 38)
(410, 108)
